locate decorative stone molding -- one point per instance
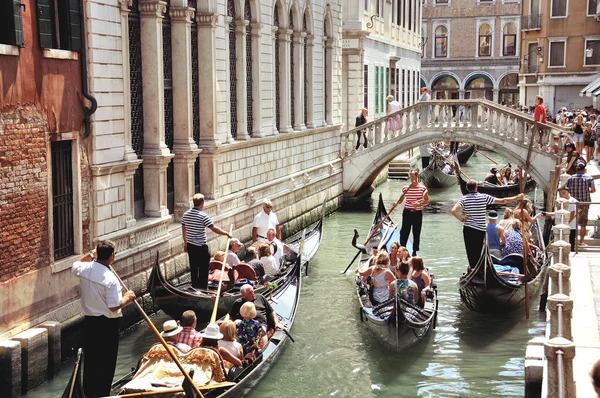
(293, 184)
(125, 5)
(152, 7)
(207, 20)
(331, 169)
(249, 198)
(306, 178)
(181, 14)
(128, 241)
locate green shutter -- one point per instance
(376, 89)
(18, 23)
(44, 18)
(74, 25)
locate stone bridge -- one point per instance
(489, 125)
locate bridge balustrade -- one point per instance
(447, 115)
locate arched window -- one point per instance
(276, 51)
(441, 42)
(326, 81)
(292, 108)
(248, 18)
(168, 108)
(232, 69)
(485, 40)
(509, 40)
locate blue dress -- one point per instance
(514, 243)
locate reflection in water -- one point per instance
(468, 354)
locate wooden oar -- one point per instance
(488, 158)
(174, 390)
(448, 160)
(371, 236)
(72, 387)
(509, 273)
(159, 337)
(213, 317)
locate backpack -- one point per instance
(580, 163)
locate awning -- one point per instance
(591, 89)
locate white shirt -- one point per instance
(271, 267)
(276, 249)
(395, 106)
(100, 289)
(264, 222)
(232, 258)
(572, 207)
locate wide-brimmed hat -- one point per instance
(212, 332)
(493, 215)
(170, 328)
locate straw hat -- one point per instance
(212, 332)
(170, 328)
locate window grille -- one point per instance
(325, 82)
(305, 71)
(195, 102)
(292, 75)
(168, 107)
(232, 69)
(276, 24)
(137, 105)
(366, 87)
(249, 100)
(62, 199)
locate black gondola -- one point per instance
(284, 301)
(438, 174)
(396, 324)
(175, 299)
(74, 388)
(484, 290)
(497, 191)
(465, 152)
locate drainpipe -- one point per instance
(84, 83)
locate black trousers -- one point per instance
(572, 236)
(474, 240)
(199, 258)
(414, 220)
(100, 348)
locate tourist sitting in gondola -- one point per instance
(495, 235)
(277, 247)
(379, 277)
(404, 257)
(170, 333)
(522, 212)
(253, 261)
(492, 176)
(229, 341)
(514, 239)
(506, 218)
(265, 313)
(210, 340)
(268, 261)
(394, 259)
(251, 333)
(405, 288)
(215, 266)
(420, 277)
(189, 335)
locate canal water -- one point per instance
(468, 355)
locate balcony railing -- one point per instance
(532, 69)
(531, 22)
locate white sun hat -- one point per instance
(212, 332)
(170, 328)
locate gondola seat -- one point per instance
(245, 271)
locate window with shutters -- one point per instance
(292, 74)
(232, 69)
(366, 87)
(558, 9)
(557, 54)
(591, 8)
(376, 89)
(249, 100)
(276, 51)
(59, 24)
(509, 40)
(11, 26)
(592, 58)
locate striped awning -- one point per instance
(591, 89)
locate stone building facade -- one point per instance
(236, 99)
(561, 52)
(471, 49)
(381, 55)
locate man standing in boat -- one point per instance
(264, 221)
(473, 215)
(193, 226)
(417, 197)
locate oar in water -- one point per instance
(160, 338)
(213, 317)
(375, 230)
(489, 158)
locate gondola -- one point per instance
(497, 191)
(436, 175)
(239, 381)
(74, 388)
(397, 324)
(465, 152)
(174, 299)
(484, 290)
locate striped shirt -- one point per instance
(474, 205)
(413, 196)
(196, 222)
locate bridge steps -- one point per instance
(398, 169)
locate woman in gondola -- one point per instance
(394, 260)
(381, 278)
(514, 239)
(420, 277)
(405, 288)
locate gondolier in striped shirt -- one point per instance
(417, 197)
(193, 225)
(473, 215)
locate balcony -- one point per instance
(532, 69)
(531, 22)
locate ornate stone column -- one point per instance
(256, 82)
(242, 99)
(284, 81)
(496, 95)
(310, 87)
(299, 88)
(156, 153)
(328, 54)
(229, 138)
(184, 147)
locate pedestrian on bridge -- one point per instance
(417, 197)
(473, 206)
(360, 120)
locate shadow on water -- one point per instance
(478, 331)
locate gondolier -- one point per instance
(193, 225)
(264, 221)
(417, 197)
(473, 214)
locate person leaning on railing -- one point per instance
(360, 120)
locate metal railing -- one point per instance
(531, 22)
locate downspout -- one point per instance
(84, 83)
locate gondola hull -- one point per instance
(434, 177)
(464, 154)
(484, 290)
(412, 324)
(496, 191)
(174, 299)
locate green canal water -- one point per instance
(468, 355)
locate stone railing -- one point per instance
(478, 115)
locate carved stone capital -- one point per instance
(125, 5)
(310, 40)
(299, 37)
(256, 27)
(207, 20)
(155, 8)
(181, 14)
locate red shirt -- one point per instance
(413, 195)
(540, 110)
